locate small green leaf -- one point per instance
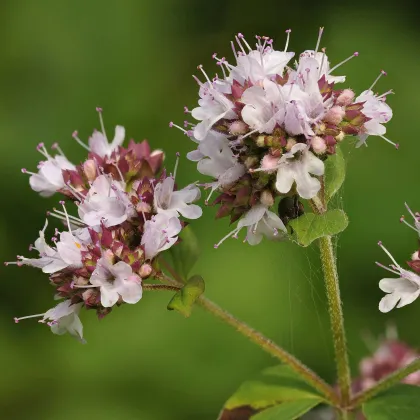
(401, 402)
(185, 298)
(275, 387)
(335, 172)
(312, 226)
(185, 253)
(289, 410)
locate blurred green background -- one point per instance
(61, 59)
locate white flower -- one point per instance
(213, 106)
(378, 111)
(98, 143)
(160, 233)
(66, 254)
(259, 222)
(216, 159)
(115, 281)
(323, 66)
(264, 106)
(400, 291)
(259, 64)
(171, 203)
(298, 169)
(49, 178)
(105, 202)
(65, 318)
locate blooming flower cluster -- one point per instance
(128, 212)
(266, 128)
(404, 289)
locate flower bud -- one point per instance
(290, 143)
(145, 271)
(318, 145)
(346, 97)
(90, 169)
(250, 161)
(269, 163)
(267, 198)
(335, 115)
(340, 137)
(260, 141)
(90, 297)
(415, 256)
(238, 127)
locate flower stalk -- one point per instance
(259, 339)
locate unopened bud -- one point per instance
(340, 137)
(415, 256)
(346, 97)
(269, 163)
(335, 115)
(238, 127)
(251, 161)
(318, 145)
(260, 141)
(267, 198)
(90, 297)
(290, 143)
(90, 170)
(145, 271)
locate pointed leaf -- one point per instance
(335, 172)
(312, 226)
(185, 253)
(275, 387)
(185, 298)
(401, 402)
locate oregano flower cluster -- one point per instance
(128, 211)
(267, 125)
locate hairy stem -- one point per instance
(160, 287)
(336, 317)
(260, 340)
(385, 383)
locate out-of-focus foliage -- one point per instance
(61, 59)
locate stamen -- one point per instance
(356, 54)
(188, 133)
(391, 142)
(402, 220)
(288, 31)
(387, 268)
(74, 135)
(244, 40)
(55, 146)
(76, 193)
(234, 51)
(382, 73)
(99, 111)
(41, 149)
(412, 214)
(239, 43)
(25, 171)
(63, 215)
(388, 92)
(232, 233)
(176, 164)
(389, 254)
(186, 110)
(200, 67)
(321, 30)
(27, 317)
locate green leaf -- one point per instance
(185, 298)
(185, 253)
(401, 402)
(276, 387)
(289, 410)
(312, 226)
(335, 172)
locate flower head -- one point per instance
(267, 126)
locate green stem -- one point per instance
(336, 317)
(385, 383)
(160, 287)
(260, 340)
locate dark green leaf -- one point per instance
(312, 226)
(275, 387)
(185, 298)
(335, 171)
(401, 402)
(185, 253)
